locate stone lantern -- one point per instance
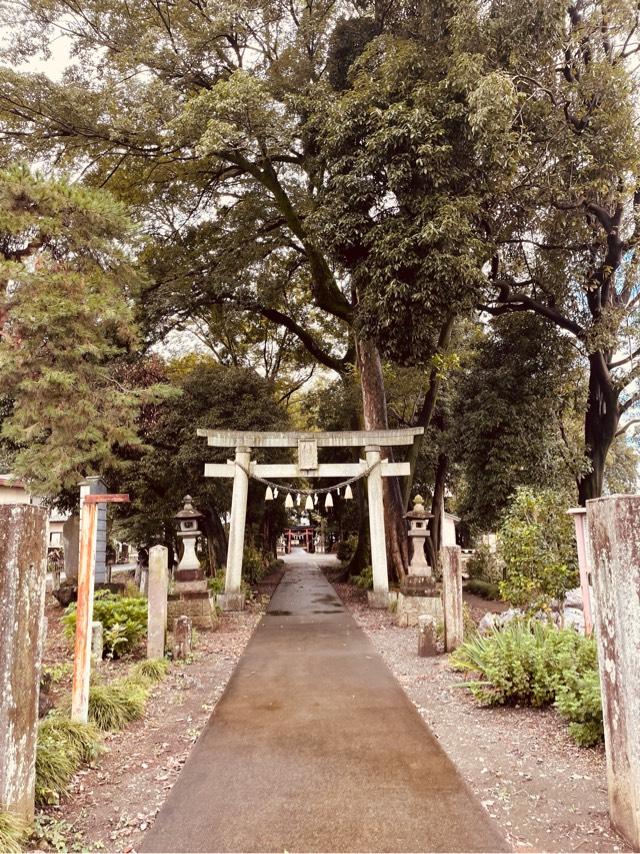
(187, 518)
(190, 595)
(418, 594)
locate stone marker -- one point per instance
(182, 638)
(614, 528)
(427, 639)
(157, 601)
(23, 572)
(97, 640)
(450, 559)
(71, 545)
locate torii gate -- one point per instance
(373, 467)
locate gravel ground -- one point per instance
(545, 792)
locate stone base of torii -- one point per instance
(373, 467)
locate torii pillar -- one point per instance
(233, 598)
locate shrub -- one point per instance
(149, 671)
(469, 626)
(365, 579)
(482, 588)
(533, 663)
(254, 564)
(124, 621)
(537, 545)
(483, 564)
(216, 583)
(346, 549)
(14, 831)
(62, 746)
(113, 706)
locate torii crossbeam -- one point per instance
(307, 466)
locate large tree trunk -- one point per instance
(434, 541)
(374, 408)
(600, 426)
(360, 557)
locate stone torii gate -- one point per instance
(372, 467)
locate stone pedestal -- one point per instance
(378, 599)
(23, 572)
(231, 601)
(411, 608)
(614, 532)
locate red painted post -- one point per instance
(84, 607)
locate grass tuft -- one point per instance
(113, 706)
(149, 671)
(14, 831)
(62, 746)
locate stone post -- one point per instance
(380, 596)
(182, 634)
(232, 599)
(450, 559)
(157, 601)
(97, 641)
(23, 573)
(71, 546)
(427, 636)
(579, 517)
(614, 529)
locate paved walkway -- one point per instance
(314, 746)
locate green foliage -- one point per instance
(255, 564)
(113, 706)
(66, 321)
(346, 548)
(537, 545)
(365, 580)
(532, 663)
(216, 583)
(486, 589)
(483, 565)
(14, 831)
(150, 670)
(124, 621)
(62, 746)
(53, 834)
(469, 627)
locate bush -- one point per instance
(483, 564)
(346, 549)
(533, 663)
(482, 588)
(149, 671)
(62, 746)
(254, 564)
(537, 545)
(124, 621)
(113, 706)
(365, 579)
(14, 831)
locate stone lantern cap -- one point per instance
(188, 516)
(418, 511)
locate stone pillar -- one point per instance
(71, 545)
(232, 599)
(182, 635)
(450, 559)
(157, 602)
(614, 530)
(97, 641)
(23, 573)
(380, 596)
(579, 517)
(427, 636)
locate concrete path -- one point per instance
(314, 746)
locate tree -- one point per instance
(65, 322)
(569, 251)
(518, 404)
(210, 396)
(209, 123)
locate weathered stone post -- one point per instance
(380, 596)
(71, 546)
(182, 637)
(452, 596)
(97, 641)
(157, 601)
(614, 528)
(427, 636)
(23, 573)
